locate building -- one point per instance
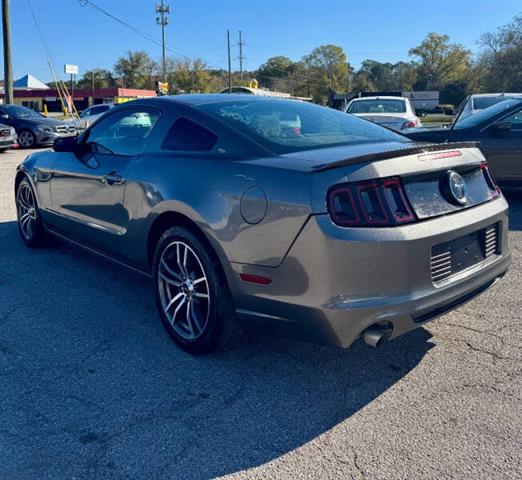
(31, 92)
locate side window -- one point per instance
(98, 110)
(515, 119)
(186, 135)
(86, 113)
(123, 133)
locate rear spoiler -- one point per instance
(419, 148)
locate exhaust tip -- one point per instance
(376, 335)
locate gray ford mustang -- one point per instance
(278, 213)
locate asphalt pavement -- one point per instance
(91, 387)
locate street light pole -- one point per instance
(8, 67)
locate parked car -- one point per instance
(8, 137)
(499, 131)
(480, 101)
(34, 129)
(91, 114)
(342, 230)
(392, 112)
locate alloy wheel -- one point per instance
(26, 139)
(26, 206)
(184, 290)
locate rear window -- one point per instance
(480, 103)
(186, 135)
(286, 126)
(377, 106)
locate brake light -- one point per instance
(438, 156)
(376, 203)
(495, 191)
(408, 124)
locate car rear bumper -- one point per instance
(335, 282)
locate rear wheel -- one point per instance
(30, 224)
(26, 139)
(191, 292)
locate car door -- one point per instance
(88, 186)
(501, 144)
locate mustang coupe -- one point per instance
(335, 230)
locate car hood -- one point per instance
(49, 122)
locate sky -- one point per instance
(382, 30)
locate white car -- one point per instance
(480, 101)
(392, 112)
(90, 115)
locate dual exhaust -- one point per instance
(376, 334)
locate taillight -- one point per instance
(375, 203)
(493, 187)
(408, 124)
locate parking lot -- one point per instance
(92, 386)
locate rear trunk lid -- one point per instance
(394, 122)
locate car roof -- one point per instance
(476, 95)
(195, 99)
(382, 97)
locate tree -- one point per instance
(440, 62)
(102, 79)
(386, 76)
(327, 69)
(136, 70)
(189, 75)
(500, 63)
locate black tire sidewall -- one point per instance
(217, 289)
(38, 236)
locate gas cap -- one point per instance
(253, 205)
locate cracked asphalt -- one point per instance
(91, 387)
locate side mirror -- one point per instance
(66, 144)
(501, 128)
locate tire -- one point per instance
(26, 139)
(30, 225)
(192, 295)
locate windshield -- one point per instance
(286, 126)
(480, 103)
(377, 106)
(21, 112)
(486, 114)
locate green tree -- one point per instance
(327, 69)
(136, 70)
(102, 79)
(440, 62)
(500, 63)
(189, 75)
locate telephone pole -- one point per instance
(162, 10)
(8, 67)
(241, 43)
(229, 64)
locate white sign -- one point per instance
(71, 69)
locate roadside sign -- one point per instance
(71, 69)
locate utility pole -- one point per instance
(92, 78)
(229, 64)
(240, 56)
(162, 10)
(8, 67)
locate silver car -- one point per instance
(332, 231)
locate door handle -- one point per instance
(113, 178)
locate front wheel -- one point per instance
(191, 292)
(30, 224)
(26, 139)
